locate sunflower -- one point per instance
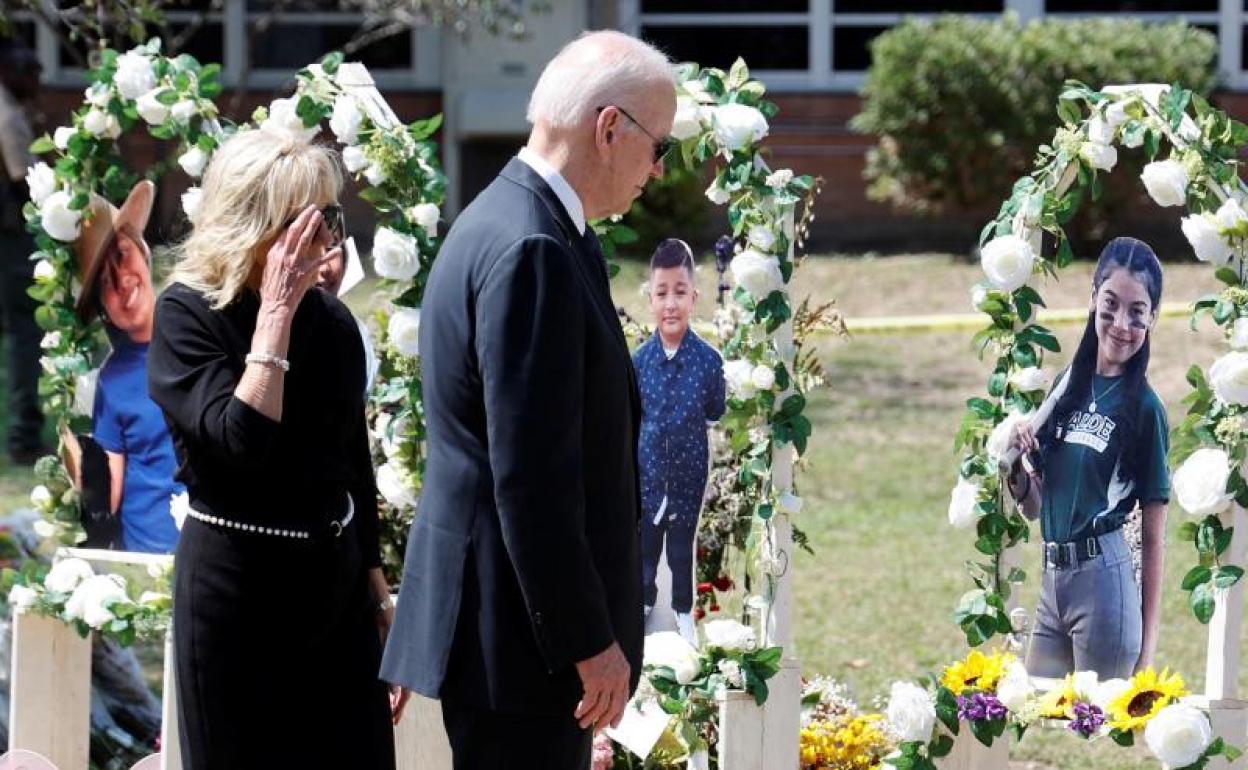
(1148, 693)
(978, 672)
(1059, 702)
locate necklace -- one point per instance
(1092, 406)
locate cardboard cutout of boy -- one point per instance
(681, 379)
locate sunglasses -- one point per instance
(661, 146)
(335, 221)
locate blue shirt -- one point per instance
(678, 396)
(129, 423)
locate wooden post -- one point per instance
(170, 730)
(50, 691)
(741, 733)
(1227, 712)
(420, 741)
(969, 754)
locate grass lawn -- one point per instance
(874, 603)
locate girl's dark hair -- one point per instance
(672, 252)
(1141, 262)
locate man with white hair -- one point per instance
(520, 605)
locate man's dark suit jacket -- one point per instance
(523, 557)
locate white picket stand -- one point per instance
(969, 754)
(1227, 711)
(50, 691)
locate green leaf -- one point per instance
(423, 129)
(1227, 576)
(982, 730)
(947, 709)
(1202, 602)
(1227, 276)
(42, 145)
(1222, 311)
(940, 747)
(1196, 576)
(1123, 737)
(1187, 531)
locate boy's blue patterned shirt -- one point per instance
(678, 397)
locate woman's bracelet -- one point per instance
(267, 359)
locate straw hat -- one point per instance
(101, 221)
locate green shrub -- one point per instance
(671, 207)
(959, 105)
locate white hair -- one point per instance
(595, 70)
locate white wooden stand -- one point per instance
(1227, 711)
(969, 754)
(50, 691)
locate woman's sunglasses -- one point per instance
(335, 221)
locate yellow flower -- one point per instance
(1147, 695)
(1059, 702)
(845, 743)
(977, 672)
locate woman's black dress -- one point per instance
(276, 638)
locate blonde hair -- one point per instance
(256, 182)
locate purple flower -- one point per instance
(980, 707)
(723, 253)
(1087, 720)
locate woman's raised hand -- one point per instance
(1023, 437)
(294, 261)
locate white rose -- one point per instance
(44, 528)
(737, 125)
(1229, 378)
(732, 673)
(1200, 482)
(394, 255)
(393, 486)
(45, 271)
(182, 111)
(789, 503)
(155, 597)
(426, 215)
(1239, 334)
(179, 507)
(62, 135)
(1178, 735)
(962, 502)
(729, 635)
(50, 340)
(1015, 688)
(758, 273)
(134, 76)
(763, 377)
(92, 599)
(668, 648)
(41, 180)
(98, 95)
(1030, 379)
(1201, 231)
(84, 392)
(1097, 155)
(284, 121)
(375, 174)
(739, 377)
(153, 111)
(404, 330)
(346, 119)
(999, 439)
(66, 574)
(911, 712)
(1086, 684)
(1099, 131)
(41, 498)
(1116, 115)
(21, 597)
(762, 237)
(97, 122)
(979, 295)
(1166, 181)
(391, 433)
(58, 219)
(1007, 261)
(191, 200)
(716, 194)
(193, 161)
(688, 121)
(1231, 216)
(778, 179)
(354, 159)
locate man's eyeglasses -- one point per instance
(661, 146)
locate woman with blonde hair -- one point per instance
(278, 592)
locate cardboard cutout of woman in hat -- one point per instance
(114, 267)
